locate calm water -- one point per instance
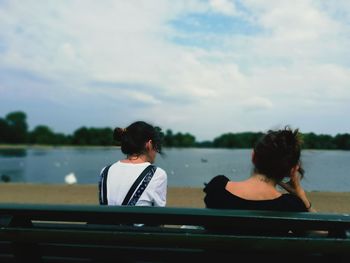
(325, 170)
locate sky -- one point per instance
(202, 67)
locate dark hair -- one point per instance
(134, 137)
(277, 152)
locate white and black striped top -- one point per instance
(120, 177)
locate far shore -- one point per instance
(21, 193)
(47, 146)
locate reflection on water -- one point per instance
(39, 152)
(12, 165)
(12, 175)
(5, 178)
(13, 152)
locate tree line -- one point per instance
(14, 130)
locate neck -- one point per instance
(141, 158)
(263, 178)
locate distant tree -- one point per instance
(227, 140)
(313, 141)
(93, 136)
(100, 136)
(81, 136)
(326, 141)
(4, 131)
(14, 129)
(342, 141)
(62, 139)
(237, 140)
(183, 140)
(17, 127)
(179, 139)
(204, 144)
(247, 139)
(188, 140)
(168, 138)
(310, 141)
(42, 135)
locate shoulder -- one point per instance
(293, 203)
(216, 183)
(160, 171)
(106, 168)
(215, 196)
(160, 174)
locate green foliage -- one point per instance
(93, 136)
(313, 141)
(237, 140)
(168, 138)
(204, 144)
(179, 139)
(17, 127)
(4, 131)
(342, 141)
(14, 129)
(44, 135)
(41, 135)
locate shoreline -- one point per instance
(25, 193)
(49, 146)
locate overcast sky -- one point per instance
(203, 67)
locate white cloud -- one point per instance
(223, 6)
(257, 103)
(298, 61)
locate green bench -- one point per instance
(69, 233)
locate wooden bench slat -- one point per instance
(152, 215)
(59, 233)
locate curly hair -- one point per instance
(277, 152)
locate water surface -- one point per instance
(325, 170)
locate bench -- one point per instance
(71, 233)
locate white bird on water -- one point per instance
(70, 178)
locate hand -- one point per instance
(287, 187)
(293, 186)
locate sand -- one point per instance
(327, 202)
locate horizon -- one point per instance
(201, 67)
(164, 130)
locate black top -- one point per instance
(218, 197)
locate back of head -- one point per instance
(277, 152)
(134, 137)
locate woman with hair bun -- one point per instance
(135, 180)
(275, 157)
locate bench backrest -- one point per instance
(102, 233)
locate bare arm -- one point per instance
(294, 187)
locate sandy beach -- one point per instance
(327, 202)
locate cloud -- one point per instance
(223, 6)
(184, 64)
(256, 104)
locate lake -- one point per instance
(325, 170)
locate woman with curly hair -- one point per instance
(276, 156)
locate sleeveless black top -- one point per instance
(216, 196)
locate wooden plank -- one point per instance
(177, 240)
(173, 215)
(60, 232)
